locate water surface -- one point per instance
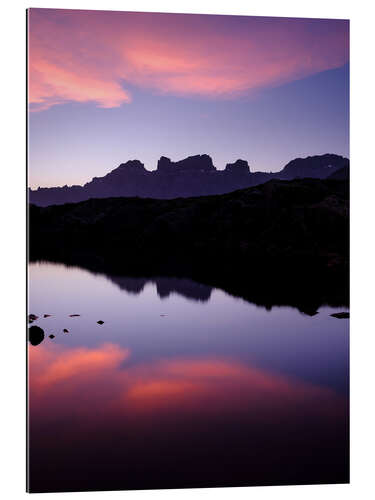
(182, 386)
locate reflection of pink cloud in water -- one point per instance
(86, 56)
(83, 363)
(59, 377)
(98, 421)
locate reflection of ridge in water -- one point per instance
(165, 286)
(262, 287)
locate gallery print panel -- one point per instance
(188, 274)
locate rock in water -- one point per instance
(46, 315)
(66, 330)
(310, 312)
(341, 315)
(36, 335)
(100, 322)
(33, 317)
(73, 315)
(51, 336)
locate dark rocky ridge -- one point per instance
(193, 176)
(282, 242)
(341, 174)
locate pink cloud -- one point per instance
(91, 56)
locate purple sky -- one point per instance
(105, 87)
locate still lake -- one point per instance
(183, 385)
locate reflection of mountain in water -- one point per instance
(304, 290)
(165, 286)
(280, 243)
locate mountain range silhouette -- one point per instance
(190, 177)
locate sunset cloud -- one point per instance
(93, 56)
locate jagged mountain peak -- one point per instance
(192, 176)
(239, 166)
(196, 163)
(315, 166)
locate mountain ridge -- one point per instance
(190, 177)
(283, 242)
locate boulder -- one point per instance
(36, 335)
(341, 315)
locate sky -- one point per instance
(105, 87)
